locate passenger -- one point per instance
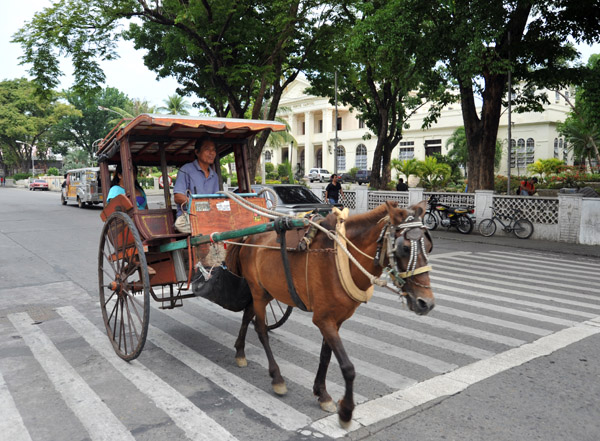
(117, 188)
(197, 177)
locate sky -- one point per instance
(128, 73)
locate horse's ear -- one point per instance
(420, 209)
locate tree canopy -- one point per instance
(236, 55)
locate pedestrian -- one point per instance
(401, 185)
(333, 191)
(527, 187)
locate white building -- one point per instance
(312, 124)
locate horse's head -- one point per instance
(408, 244)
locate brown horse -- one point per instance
(319, 286)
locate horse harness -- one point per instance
(410, 229)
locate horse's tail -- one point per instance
(232, 258)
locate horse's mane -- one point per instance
(365, 221)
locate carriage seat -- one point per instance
(154, 225)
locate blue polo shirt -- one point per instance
(191, 177)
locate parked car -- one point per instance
(319, 174)
(293, 199)
(363, 176)
(38, 184)
(346, 178)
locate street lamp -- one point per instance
(106, 109)
(32, 161)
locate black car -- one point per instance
(363, 177)
(293, 199)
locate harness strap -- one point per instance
(342, 264)
(420, 270)
(281, 227)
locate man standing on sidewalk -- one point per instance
(333, 192)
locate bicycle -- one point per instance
(521, 227)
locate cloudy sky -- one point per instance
(128, 73)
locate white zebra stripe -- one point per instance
(254, 353)
(12, 426)
(442, 324)
(542, 261)
(369, 370)
(100, 423)
(265, 404)
(189, 418)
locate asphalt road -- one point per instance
(509, 353)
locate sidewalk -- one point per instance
(515, 242)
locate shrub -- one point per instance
(269, 167)
(53, 171)
(20, 176)
(500, 184)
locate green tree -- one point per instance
(483, 40)
(26, 121)
(459, 151)
(406, 167)
(385, 70)
(175, 105)
(84, 130)
(433, 174)
(233, 54)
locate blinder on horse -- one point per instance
(393, 238)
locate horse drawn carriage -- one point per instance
(141, 254)
(326, 268)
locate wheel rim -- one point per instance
(124, 286)
(430, 221)
(464, 224)
(523, 229)
(487, 227)
(277, 314)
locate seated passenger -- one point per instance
(117, 188)
(197, 177)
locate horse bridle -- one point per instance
(413, 230)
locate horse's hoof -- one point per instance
(345, 424)
(280, 389)
(328, 406)
(241, 362)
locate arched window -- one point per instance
(530, 155)
(513, 153)
(341, 158)
(361, 157)
(565, 150)
(521, 152)
(267, 156)
(556, 153)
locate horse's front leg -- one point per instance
(346, 404)
(240, 343)
(260, 324)
(319, 387)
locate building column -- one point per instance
(327, 136)
(309, 148)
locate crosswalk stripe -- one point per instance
(95, 416)
(442, 324)
(256, 354)
(433, 364)
(189, 418)
(438, 280)
(498, 308)
(265, 404)
(12, 426)
(495, 321)
(495, 264)
(454, 382)
(431, 340)
(543, 261)
(524, 277)
(366, 369)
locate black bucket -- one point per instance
(223, 288)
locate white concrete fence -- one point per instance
(567, 218)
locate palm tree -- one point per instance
(175, 105)
(459, 151)
(581, 139)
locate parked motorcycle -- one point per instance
(447, 216)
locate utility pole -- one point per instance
(335, 142)
(509, 122)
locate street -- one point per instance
(509, 352)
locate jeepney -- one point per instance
(82, 186)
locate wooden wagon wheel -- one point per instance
(124, 286)
(277, 314)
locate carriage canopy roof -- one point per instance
(146, 134)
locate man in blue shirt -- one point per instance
(197, 177)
